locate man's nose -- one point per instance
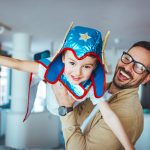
(129, 67)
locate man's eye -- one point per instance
(127, 58)
(72, 63)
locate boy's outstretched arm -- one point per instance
(21, 65)
(115, 125)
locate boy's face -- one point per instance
(76, 70)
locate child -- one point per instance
(79, 68)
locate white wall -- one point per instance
(144, 141)
(41, 130)
(112, 57)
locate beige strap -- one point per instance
(69, 28)
(103, 48)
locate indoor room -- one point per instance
(37, 29)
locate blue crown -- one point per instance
(84, 40)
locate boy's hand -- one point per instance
(63, 98)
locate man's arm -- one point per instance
(98, 134)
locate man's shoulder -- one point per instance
(131, 92)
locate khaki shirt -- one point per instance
(98, 136)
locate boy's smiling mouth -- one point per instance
(75, 78)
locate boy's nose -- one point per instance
(77, 71)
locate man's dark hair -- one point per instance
(144, 44)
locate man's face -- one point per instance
(76, 70)
(125, 75)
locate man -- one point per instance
(131, 71)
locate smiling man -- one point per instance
(132, 69)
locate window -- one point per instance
(4, 86)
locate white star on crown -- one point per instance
(84, 37)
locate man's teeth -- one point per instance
(124, 74)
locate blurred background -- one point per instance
(34, 29)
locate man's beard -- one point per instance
(129, 84)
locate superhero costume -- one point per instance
(82, 41)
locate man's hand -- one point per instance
(63, 98)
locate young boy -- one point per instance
(79, 68)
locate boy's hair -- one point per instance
(87, 55)
(92, 56)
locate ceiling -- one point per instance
(47, 20)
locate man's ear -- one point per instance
(146, 79)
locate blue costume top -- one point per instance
(82, 41)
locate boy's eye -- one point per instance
(87, 67)
(72, 63)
